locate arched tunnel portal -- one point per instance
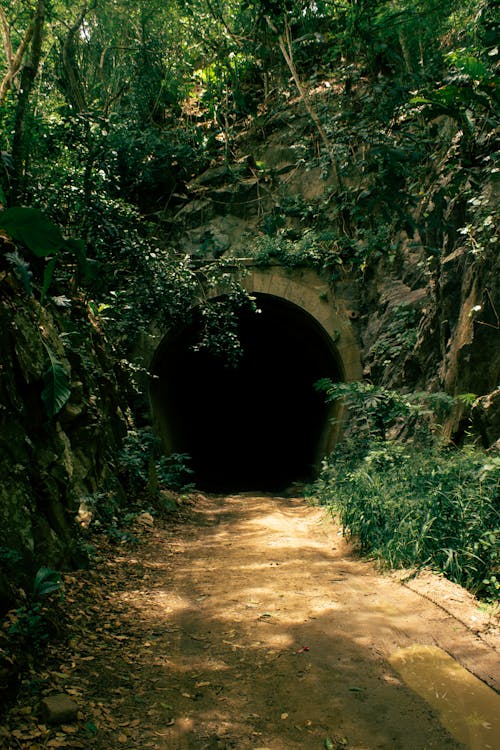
(260, 425)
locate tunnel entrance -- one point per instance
(257, 426)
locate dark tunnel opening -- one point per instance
(260, 425)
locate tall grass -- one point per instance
(420, 506)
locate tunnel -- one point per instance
(257, 426)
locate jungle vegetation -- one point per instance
(109, 108)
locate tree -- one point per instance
(14, 58)
(28, 77)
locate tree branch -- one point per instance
(14, 61)
(28, 77)
(285, 45)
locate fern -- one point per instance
(21, 269)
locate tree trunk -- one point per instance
(14, 61)
(72, 81)
(28, 78)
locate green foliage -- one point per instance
(57, 389)
(140, 448)
(46, 582)
(31, 227)
(479, 234)
(43, 239)
(146, 96)
(374, 410)
(419, 507)
(105, 508)
(174, 471)
(106, 513)
(119, 535)
(28, 626)
(154, 286)
(31, 624)
(9, 558)
(218, 323)
(143, 464)
(468, 89)
(398, 337)
(311, 249)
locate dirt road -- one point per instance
(254, 626)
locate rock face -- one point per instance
(486, 418)
(468, 292)
(48, 463)
(439, 332)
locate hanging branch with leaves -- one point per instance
(71, 78)
(286, 46)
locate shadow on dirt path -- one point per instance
(253, 626)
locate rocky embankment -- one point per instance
(50, 457)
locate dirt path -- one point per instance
(253, 626)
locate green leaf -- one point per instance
(468, 64)
(46, 582)
(31, 227)
(329, 744)
(91, 728)
(57, 389)
(466, 398)
(420, 100)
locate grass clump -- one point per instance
(416, 506)
(414, 503)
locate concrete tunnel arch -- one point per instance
(260, 426)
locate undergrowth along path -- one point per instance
(252, 625)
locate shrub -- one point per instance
(144, 465)
(35, 621)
